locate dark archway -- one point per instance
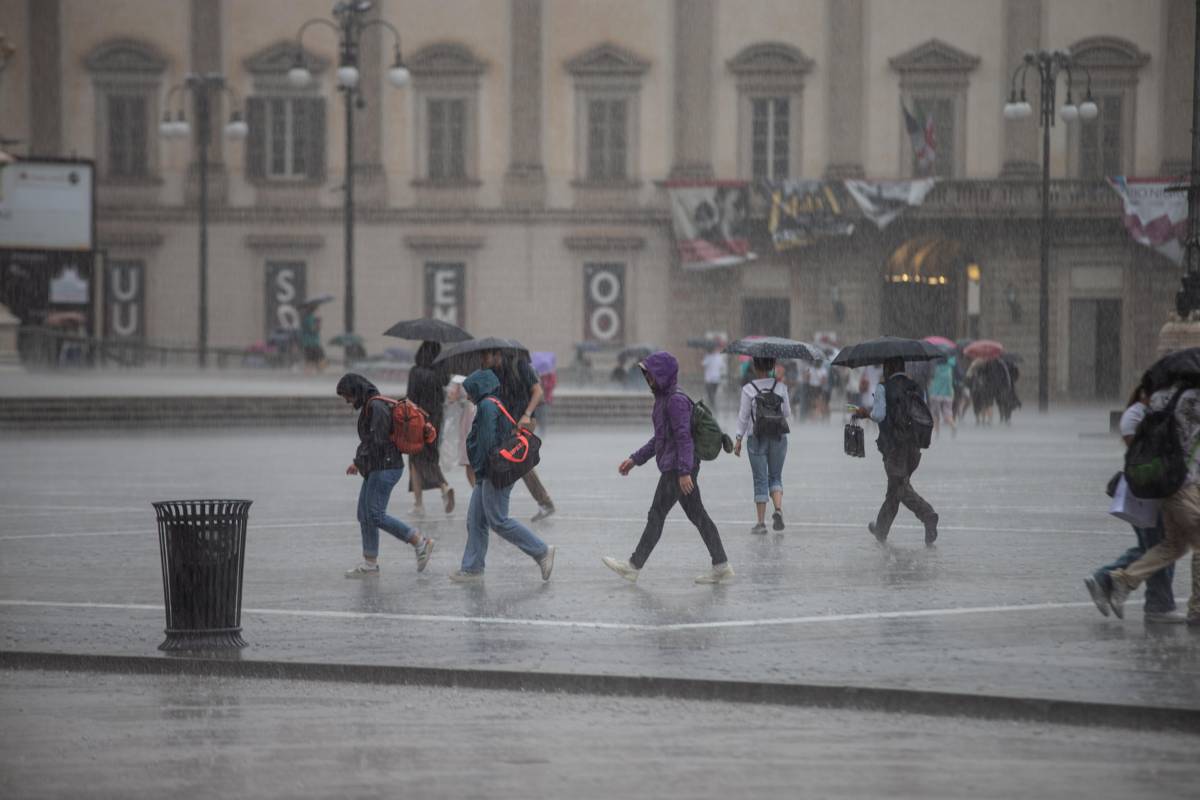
(925, 289)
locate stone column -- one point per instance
(1178, 46)
(205, 59)
(525, 181)
(1022, 32)
(45, 75)
(695, 42)
(370, 181)
(844, 102)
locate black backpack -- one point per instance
(910, 421)
(767, 413)
(517, 455)
(1155, 466)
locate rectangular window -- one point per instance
(770, 134)
(941, 110)
(447, 141)
(127, 156)
(606, 142)
(288, 137)
(1100, 140)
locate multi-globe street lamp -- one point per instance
(1049, 64)
(201, 86)
(349, 23)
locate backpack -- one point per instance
(516, 456)
(1155, 466)
(411, 428)
(910, 421)
(707, 438)
(767, 413)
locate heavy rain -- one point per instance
(599, 398)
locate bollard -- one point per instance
(203, 548)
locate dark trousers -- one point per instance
(899, 464)
(1160, 597)
(665, 496)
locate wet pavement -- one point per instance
(997, 608)
(122, 736)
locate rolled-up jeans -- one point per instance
(372, 510)
(766, 465)
(489, 509)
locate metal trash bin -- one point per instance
(203, 548)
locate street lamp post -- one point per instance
(201, 87)
(349, 25)
(1049, 64)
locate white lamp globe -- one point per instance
(166, 129)
(398, 76)
(299, 77)
(182, 128)
(1069, 112)
(237, 128)
(347, 76)
(1088, 110)
(1012, 111)
(1025, 109)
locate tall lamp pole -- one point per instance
(201, 86)
(1188, 298)
(1048, 65)
(349, 24)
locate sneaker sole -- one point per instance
(422, 564)
(777, 523)
(631, 578)
(1093, 587)
(550, 558)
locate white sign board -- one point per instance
(45, 205)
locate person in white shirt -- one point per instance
(763, 414)
(715, 371)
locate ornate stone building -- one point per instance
(516, 183)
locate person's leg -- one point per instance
(776, 455)
(495, 509)
(710, 390)
(909, 497)
(536, 490)
(414, 477)
(1160, 595)
(470, 475)
(756, 454)
(1181, 525)
(665, 497)
(379, 490)
(370, 533)
(896, 480)
(475, 553)
(693, 506)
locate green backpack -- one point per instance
(707, 437)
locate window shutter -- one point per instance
(256, 139)
(315, 118)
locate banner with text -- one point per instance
(883, 201)
(445, 292)
(1153, 216)
(804, 211)
(604, 303)
(711, 224)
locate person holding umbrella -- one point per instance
(427, 388)
(763, 413)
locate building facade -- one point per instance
(517, 183)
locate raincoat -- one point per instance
(490, 427)
(671, 444)
(375, 448)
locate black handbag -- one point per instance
(518, 454)
(854, 444)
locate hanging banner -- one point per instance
(1153, 216)
(883, 201)
(711, 224)
(285, 290)
(804, 211)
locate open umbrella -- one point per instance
(637, 352)
(427, 329)
(1182, 366)
(876, 351)
(776, 347)
(320, 299)
(465, 357)
(346, 340)
(940, 341)
(543, 362)
(983, 349)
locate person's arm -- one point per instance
(643, 453)
(743, 420)
(530, 379)
(879, 404)
(787, 407)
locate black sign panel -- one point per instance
(285, 291)
(445, 292)
(604, 303)
(125, 300)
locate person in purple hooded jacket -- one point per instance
(673, 452)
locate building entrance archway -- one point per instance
(925, 289)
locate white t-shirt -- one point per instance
(745, 424)
(1132, 417)
(714, 368)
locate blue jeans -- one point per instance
(489, 509)
(766, 464)
(372, 510)
(1160, 597)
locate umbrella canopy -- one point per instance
(637, 352)
(467, 356)
(706, 342)
(876, 351)
(320, 299)
(427, 329)
(399, 354)
(776, 347)
(543, 362)
(1182, 366)
(346, 340)
(983, 349)
(940, 341)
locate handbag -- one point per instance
(1138, 512)
(516, 456)
(853, 442)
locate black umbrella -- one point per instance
(320, 299)
(1182, 366)
(637, 352)
(428, 330)
(776, 347)
(876, 351)
(467, 356)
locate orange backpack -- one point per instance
(411, 428)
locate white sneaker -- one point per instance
(363, 570)
(466, 577)
(718, 574)
(546, 562)
(623, 568)
(423, 553)
(1166, 617)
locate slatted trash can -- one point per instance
(203, 549)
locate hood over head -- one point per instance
(481, 383)
(664, 369)
(357, 388)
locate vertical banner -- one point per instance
(125, 300)
(445, 292)
(604, 303)
(285, 291)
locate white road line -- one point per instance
(584, 624)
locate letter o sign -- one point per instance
(604, 303)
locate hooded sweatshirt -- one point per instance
(491, 427)
(671, 444)
(375, 449)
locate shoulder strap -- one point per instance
(1170, 409)
(503, 410)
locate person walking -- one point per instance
(1159, 606)
(310, 339)
(520, 391)
(381, 466)
(489, 505)
(764, 412)
(1180, 512)
(464, 413)
(673, 451)
(715, 371)
(427, 388)
(941, 395)
(901, 457)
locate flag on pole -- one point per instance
(924, 143)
